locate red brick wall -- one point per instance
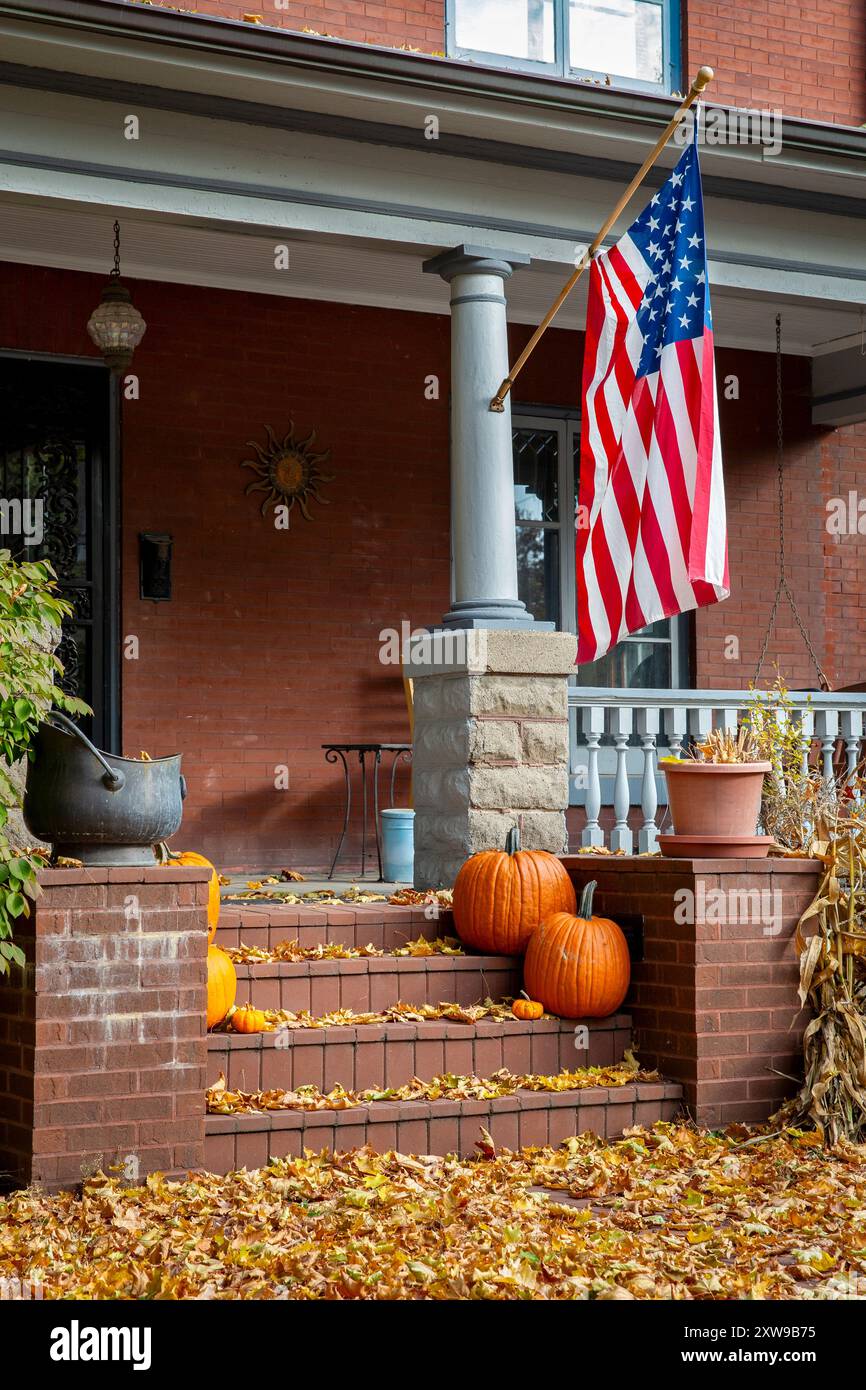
(416, 25)
(102, 1035)
(714, 999)
(270, 645)
(807, 60)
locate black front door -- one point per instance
(59, 485)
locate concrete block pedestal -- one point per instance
(490, 746)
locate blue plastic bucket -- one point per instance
(398, 845)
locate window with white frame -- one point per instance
(546, 451)
(631, 42)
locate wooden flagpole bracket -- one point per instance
(702, 80)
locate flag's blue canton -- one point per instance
(670, 236)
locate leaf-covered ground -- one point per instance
(671, 1213)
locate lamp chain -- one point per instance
(782, 587)
(115, 274)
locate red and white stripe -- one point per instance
(650, 468)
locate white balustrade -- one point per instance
(620, 727)
(593, 727)
(618, 736)
(647, 726)
(827, 729)
(851, 722)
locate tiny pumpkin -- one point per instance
(246, 1019)
(579, 967)
(222, 985)
(501, 897)
(524, 1007)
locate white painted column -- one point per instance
(482, 476)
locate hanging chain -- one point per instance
(115, 274)
(782, 586)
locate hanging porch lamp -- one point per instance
(115, 325)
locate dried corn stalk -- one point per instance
(833, 986)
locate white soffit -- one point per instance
(353, 272)
(74, 148)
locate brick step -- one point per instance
(367, 924)
(437, 1126)
(373, 983)
(390, 1054)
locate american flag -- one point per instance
(651, 531)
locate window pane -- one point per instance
(538, 572)
(516, 28)
(536, 470)
(622, 37)
(630, 666)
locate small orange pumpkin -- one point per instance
(191, 858)
(500, 898)
(579, 967)
(246, 1019)
(524, 1007)
(222, 985)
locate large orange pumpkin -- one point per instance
(500, 898)
(222, 985)
(578, 967)
(191, 858)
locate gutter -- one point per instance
(231, 38)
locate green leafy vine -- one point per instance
(30, 608)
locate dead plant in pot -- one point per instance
(714, 796)
(796, 797)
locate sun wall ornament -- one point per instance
(288, 471)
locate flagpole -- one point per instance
(703, 79)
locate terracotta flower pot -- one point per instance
(717, 803)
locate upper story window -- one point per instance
(633, 42)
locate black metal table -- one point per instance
(340, 753)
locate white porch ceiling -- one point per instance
(34, 232)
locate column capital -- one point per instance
(474, 260)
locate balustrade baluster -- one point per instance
(593, 727)
(675, 730)
(730, 720)
(699, 722)
(806, 720)
(647, 726)
(852, 732)
(827, 729)
(620, 728)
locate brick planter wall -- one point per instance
(103, 1047)
(714, 1003)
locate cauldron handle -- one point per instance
(113, 779)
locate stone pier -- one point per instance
(491, 744)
